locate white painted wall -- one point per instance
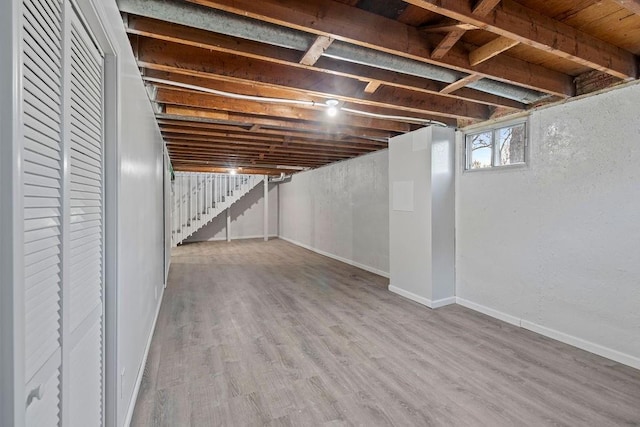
(421, 230)
(556, 245)
(246, 218)
(140, 245)
(341, 210)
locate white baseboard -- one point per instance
(443, 301)
(594, 348)
(220, 239)
(489, 311)
(422, 300)
(337, 257)
(580, 343)
(136, 388)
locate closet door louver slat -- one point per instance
(86, 218)
(42, 177)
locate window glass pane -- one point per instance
(480, 150)
(510, 144)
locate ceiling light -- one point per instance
(232, 171)
(332, 111)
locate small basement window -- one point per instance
(501, 146)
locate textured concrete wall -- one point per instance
(556, 245)
(341, 210)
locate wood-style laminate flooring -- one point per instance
(255, 333)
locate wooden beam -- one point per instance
(532, 28)
(285, 82)
(213, 106)
(230, 142)
(445, 27)
(491, 49)
(222, 147)
(257, 140)
(194, 113)
(171, 96)
(252, 169)
(461, 83)
(284, 127)
(372, 86)
(332, 19)
(448, 41)
(630, 5)
(231, 157)
(315, 51)
(414, 83)
(199, 38)
(274, 137)
(194, 151)
(483, 7)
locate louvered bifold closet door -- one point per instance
(85, 239)
(42, 180)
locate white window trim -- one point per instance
(494, 126)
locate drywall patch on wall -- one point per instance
(555, 244)
(341, 209)
(402, 196)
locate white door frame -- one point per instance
(12, 387)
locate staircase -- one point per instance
(197, 198)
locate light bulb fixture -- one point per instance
(232, 172)
(332, 109)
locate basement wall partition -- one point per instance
(341, 210)
(555, 246)
(140, 240)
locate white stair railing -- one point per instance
(197, 198)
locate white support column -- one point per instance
(265, 224)
(228, 224)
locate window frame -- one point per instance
(493, 129)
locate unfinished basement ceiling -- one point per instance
(393, 66)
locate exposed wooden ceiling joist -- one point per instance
(206, 40)
(209, 147)
(452, 61)
(287, 82)
(282, 127)
(332, 19)
(461, 83)
(447, 42)
(221, 104)
(314, 52)
(527, 26)
(483, 7)
(491, 49)
(258, 137)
